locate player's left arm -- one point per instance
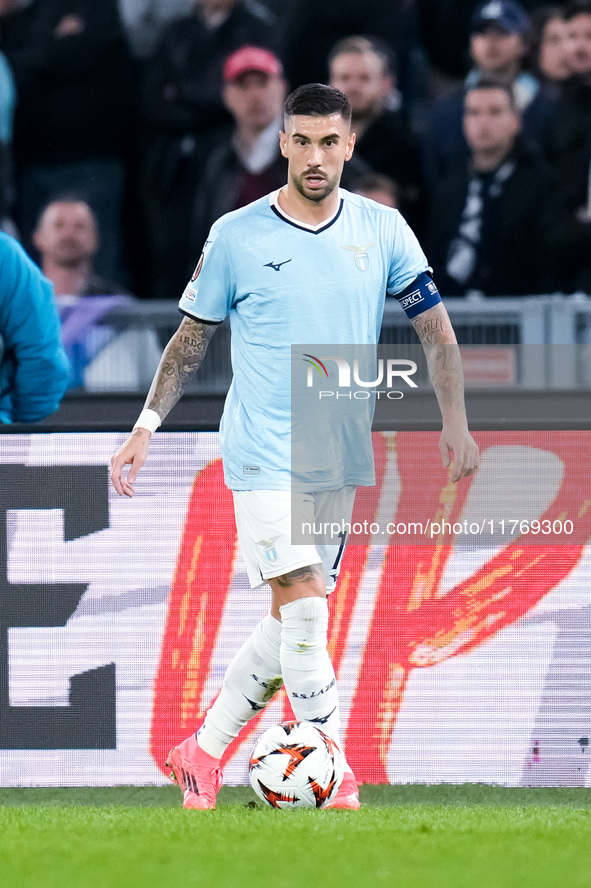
(439, 342)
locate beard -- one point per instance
(70, 258)
(315, 194)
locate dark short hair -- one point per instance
(490, 83)
(360, 45)
(575, 8)
(539, 19)
(59, 197)
(317, 100)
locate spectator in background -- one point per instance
(247, 164)
(75, 111)
(67, 239)
(361, 68)
(499, 35)
(184, 113)
(571, 122)
(444, 30)
(312, 27)
(569, 151)
(144, 21)
(490, 216)
(33, 364)
(101, 354)
(548, 58)
(378, 187)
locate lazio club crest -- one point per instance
(359, 254)
(269, 549)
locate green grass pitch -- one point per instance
(404, 836)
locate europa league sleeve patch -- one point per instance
(198, 268)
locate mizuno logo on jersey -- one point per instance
(276, 266)
(360, 254)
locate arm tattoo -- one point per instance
(300, 574)
(181, 359)
(443, 357)
(429, 330)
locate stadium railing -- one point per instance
(569, 323)
(509, 342)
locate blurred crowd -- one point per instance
(128, 126)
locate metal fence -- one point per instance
(569, 325)
(516, 342)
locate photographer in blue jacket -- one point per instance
(34, 368)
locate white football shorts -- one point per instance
(264, 523)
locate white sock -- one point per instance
(305, 665)
(251, 680)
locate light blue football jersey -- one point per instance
(283, 283)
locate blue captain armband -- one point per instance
(419, 296)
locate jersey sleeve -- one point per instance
(407, 259)
(211, 291)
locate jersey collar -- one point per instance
(313, 229)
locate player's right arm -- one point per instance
(180, 360)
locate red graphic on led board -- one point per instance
(414, 624)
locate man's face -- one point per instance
(66, 234)
(553, 59)
(578, 44)
(255, 99)
(493, 50)
(316, 149)
(490, 123)
(361, 76)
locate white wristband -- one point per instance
(148, 419)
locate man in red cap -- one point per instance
(185, 118)
(248, 163)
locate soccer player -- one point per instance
(310, 263)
